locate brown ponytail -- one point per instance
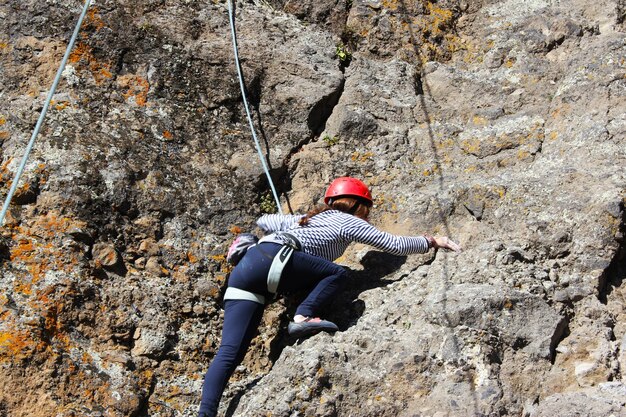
(356, 206)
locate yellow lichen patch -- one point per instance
(455, 43)
(473, 53)
(441, 18)
(613, 224)
(219, 258)
(490, 142)
(386, 203)
(3, 120)
(561, 111)
(145, 378)
(361, 157)
(445, 144)
(226, 132)
(432, 33)
(390, 4)
(431, 171)
(471, 146)
(136, 87)
(4, 134)
(21, 287)
(479, 121)
(499, 190)
(4, 45)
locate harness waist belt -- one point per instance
(282, 238)
(233, 293)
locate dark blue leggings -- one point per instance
(242, 317)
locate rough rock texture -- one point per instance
(499, 123)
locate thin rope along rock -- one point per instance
(42, 116)
(245, 103)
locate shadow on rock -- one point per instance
(234, 402)
(377, 266)
(346, 309)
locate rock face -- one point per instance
(501, 124)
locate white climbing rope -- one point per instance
(245, 103)
(42, 116)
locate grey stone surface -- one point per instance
(500, 124)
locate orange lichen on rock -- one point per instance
(35, 251)
(43, 332)
(82, 57)
(80, 50)
(16, 345)
(5, 173)
(18, 342)
(93, 19)
(192, 258)
(53, 326)
(137, 88)
(61, 105)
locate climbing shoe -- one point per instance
(311, 326)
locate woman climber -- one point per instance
(300, 249)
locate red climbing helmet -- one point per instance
(347, 186)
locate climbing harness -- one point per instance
(233, 293)
(289, 244)
(42, 116)
(231, 18)
(276, 269)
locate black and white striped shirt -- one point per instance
(329, 233)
